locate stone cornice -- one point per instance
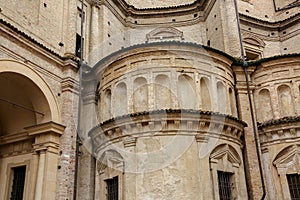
(30, 42)
(70, 84)
(130, 10)
(286, 129)
(167, 123)
(266, 25)
(161, 46)
(281, 121)
(127, 14)
(47, 127)
(11, 138)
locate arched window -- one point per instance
(162, 92)
(140, 95)
(186, 92)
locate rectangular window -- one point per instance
(294, 185)
(225, 186)
(18, 182)
(112, 186)
(78, 45)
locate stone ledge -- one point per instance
(281, 130)
(168, 123)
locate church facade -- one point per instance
(144, 99)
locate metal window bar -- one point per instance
(225, 186)
(112, 188)
(18, 183)
(294, 185)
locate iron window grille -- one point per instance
(225, 185)
(112, 186)
(294, 185)
(18, 182)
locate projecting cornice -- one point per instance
(266, 25)
(279, 130)
(200, 124)
(131, 15)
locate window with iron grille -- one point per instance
(112, 186)
(18, 182)
(294, 185)
(225, 189)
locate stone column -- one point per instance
(284, 183)
(268, 174)
(129, 182)
(40, 176)
(205, 190)
(230, 29)
(46, 145)
(70, 20)
(94, 47)
(215, 185)
(33, 178)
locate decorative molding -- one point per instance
(70, 84)
(164, 33)
(279, 132)
(112, 159)
(253, 40)
(287, 160)
(156, 124)
(228, 151)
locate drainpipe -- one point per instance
(79, 104)
(245, 67)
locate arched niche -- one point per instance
(264, 106)
(187, 98)
(106, 104)
(162, 92)
(140, 95)
(286, 104)
(26, 99)
(165, 33)
(120, 99)
(205, 94)
(221, 100)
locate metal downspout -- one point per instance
(245, 66)
(80, 64)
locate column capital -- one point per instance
(46, 135)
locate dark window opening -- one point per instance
(112, 186)
(225, 185)
(78, 45)
(252, 56)
(294, 185)
(18, 182)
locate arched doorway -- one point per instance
(29, 134)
